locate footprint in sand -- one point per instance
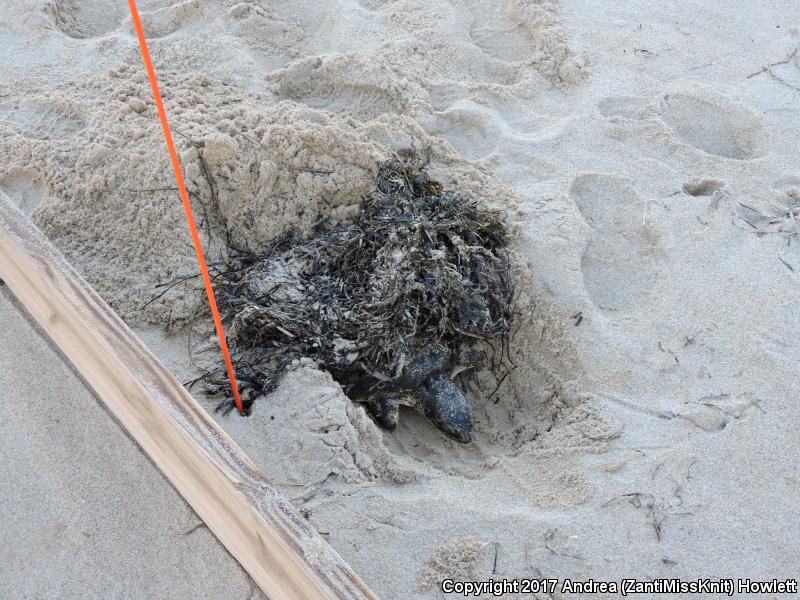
(786, 184)
(86, 18)
(628, 107)
(717, 127)
(496, 34)
(41, 121)
(160, 21)
(470, 128)
(512, 32)
(344, 84)
(618, 264)
(371, 5)
(25, 188)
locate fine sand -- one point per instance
(83, 513)
(646, 155)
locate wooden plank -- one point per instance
(277, 547)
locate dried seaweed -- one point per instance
(418, 269)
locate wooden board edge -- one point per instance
(283, 554)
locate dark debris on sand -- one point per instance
(418, 269)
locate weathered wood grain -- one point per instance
(283, 554)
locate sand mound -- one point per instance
(271, 167)
(107, 198)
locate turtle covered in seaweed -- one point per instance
(392, 304)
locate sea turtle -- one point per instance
(392, 303)
(426, 385)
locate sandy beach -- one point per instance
(645, 156)
(84, 513)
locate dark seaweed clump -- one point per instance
(418, 269)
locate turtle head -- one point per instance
(445, 404)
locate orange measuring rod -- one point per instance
(187, 207)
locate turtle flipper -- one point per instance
(445, 404)
(385, 411)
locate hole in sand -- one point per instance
(703, 187)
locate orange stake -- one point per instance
(187, 207)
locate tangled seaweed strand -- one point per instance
(419, 269)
